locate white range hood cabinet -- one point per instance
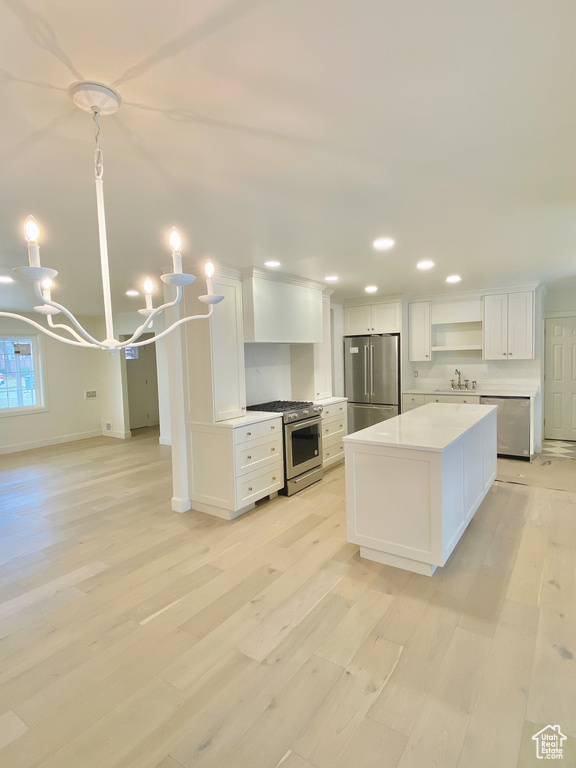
(281, 309)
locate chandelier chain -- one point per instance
(98, 156)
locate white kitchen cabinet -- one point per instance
(419, 331)
(508, 326)
(372, 318)
(409, 402)
(463, 397)
(334, 429)
(234, 464)
(311, 364)
(216, 388)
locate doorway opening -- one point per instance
(142, 384)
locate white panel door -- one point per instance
(357, 320)
(419, 331)
(495, 327)
(521, 325)
(560, 379)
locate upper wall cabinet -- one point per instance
(372, 318)
(311, 364)
(419, 345)
(508, 326)
(281, 309)
(215, 354)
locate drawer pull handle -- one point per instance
(327, 429)
(250, 488)
(272, 449)
(273, 427)
(249, 457)
(248, 433)
(273, 478)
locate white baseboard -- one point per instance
(117, 435)
(164, 441)
(15, 448)
(180, 505)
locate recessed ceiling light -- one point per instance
(132, 293)
(331, 278)
(371, 288)
(271, 263)
(425, 264)
(453, 279)
(6, 279)
(383, 243)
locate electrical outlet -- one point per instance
(108, 427)
(89, 394)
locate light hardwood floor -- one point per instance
(135, 637)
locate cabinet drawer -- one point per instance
(470, 399)
(332, 449)
(256, 454)
(410, 406)
(255, 485)
(260, 429)
(334, 410)
(412, 400)
(333, 427)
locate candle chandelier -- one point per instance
(101, 100)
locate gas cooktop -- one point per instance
(291, 410)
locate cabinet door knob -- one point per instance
(504, 353)
(248, 433)
(273, 427)
(249, 457)
(510, 353)
(273, 478)
(273, 449)
(425, 355)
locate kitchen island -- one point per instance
(414, 482)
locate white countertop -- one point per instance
(330, 400)
(431, 427)
(489, 391)
(252, 417)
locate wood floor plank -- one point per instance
(373, 746)
(502, 716)
(11, 728)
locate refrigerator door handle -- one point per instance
(366, 370)
(371, 370)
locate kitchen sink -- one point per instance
(457, 391)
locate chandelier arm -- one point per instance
(68, 314)
(52, 324)
(170, 329)
(85, 344)
(141, 329)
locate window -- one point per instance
(19, 374)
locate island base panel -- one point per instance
(425, 569)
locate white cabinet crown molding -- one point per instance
(282, 277)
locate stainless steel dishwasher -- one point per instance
(513, 425)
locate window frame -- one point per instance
(40, 383)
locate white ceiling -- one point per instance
(294, 129)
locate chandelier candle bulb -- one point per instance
(46, 292)
(32, 233)
(176, 244)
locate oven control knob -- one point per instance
(292, 415)
(305, 413)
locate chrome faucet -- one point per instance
(459, 383)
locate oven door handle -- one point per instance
(299, 424)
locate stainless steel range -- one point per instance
(302, 442)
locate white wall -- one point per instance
(267, 372)
(68, 372)
(561, 297)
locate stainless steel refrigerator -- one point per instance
(371, 378)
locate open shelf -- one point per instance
(457, 337)
(456, 347)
